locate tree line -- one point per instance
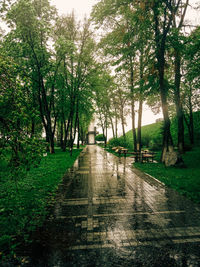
(47, 71)
(153, 50)
(54, 74)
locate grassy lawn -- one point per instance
(23, 203)
(186, 181)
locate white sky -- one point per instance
(81, 7)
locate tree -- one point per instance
(117, 43)
(121, 99)
(191, 80)
(29, 35)
(103, 85)
(25, 149)
(178, 48)
(75, 46)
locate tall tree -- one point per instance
(30, 23)
(191, 80)
(178, 21)
(162, 22)
(75, 45)
(24, 149)
(103, 86)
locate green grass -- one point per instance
(186, 181)
(23, 205)
(151, 136)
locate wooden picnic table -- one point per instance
(123, 151)
(142, 156)
(120, 150)
(147, 156)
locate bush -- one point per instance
(100, 137)
(155, 144)
(119, 142)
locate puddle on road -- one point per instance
(106, 215)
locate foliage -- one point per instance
(186, 181)
(22, 209)
(75, 47)
(100, 137)
(103, 86)
(121, 141)
(196, 117)
(151, 136)
(140, 38)
(193, 57)
(25, 150)
(55, 58)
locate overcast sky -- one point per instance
(81, 7)
(84, 7)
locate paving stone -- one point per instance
(110, 214)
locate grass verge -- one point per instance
(186, 181)
(23, 203)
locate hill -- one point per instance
(152, 135)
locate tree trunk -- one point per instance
(133, 105)
(69, 129)
(160, 42)
(191, 118)
(103, 131)
(191, 127)
(139, 129)
(139, 135)
(66, 132)
(82, 135)
(61, 135)
(50, 131)
(123, 123)
(179, 109)
(51, 138)
(116, 123)
(32, 128)
(76, 119)
(78, 138)
(167, 138)
(133, 125)
(71, 141)
(190, 121)
(106, 135)
(112, 125)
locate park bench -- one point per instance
(143, 156)
(147, 156)
(120, 150)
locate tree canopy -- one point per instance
(55, 74)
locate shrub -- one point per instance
(100, 137)
(119, 142)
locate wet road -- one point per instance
(108, 214)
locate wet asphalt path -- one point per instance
(108, 214)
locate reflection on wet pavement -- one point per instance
(108, 214)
